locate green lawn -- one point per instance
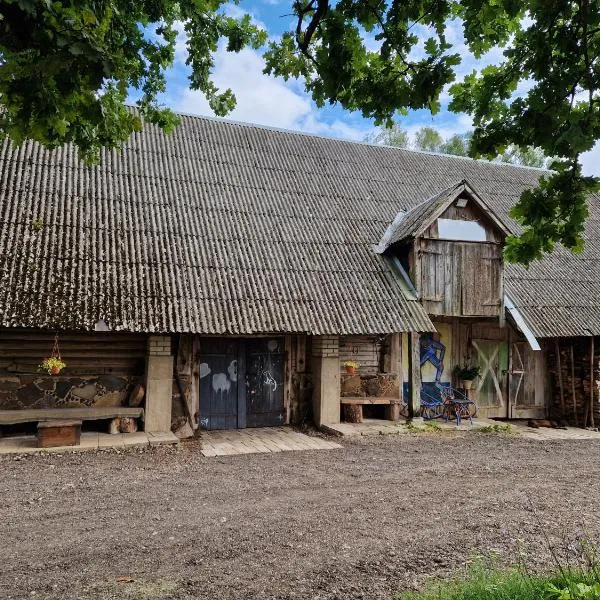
(482, 583)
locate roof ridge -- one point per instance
(348, 141)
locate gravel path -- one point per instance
(375, 517)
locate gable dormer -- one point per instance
(451, 245)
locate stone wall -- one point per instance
(21, 391)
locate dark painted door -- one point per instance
(219, 390)
(265, 374)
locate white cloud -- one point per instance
(591, 161)
(262, 99)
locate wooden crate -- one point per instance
(51, 434)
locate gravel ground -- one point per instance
(379, 516)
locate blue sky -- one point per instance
(273, 102)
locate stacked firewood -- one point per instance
(575, 381)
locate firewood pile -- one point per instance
(574, 386)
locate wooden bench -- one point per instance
(86, 413)
(353, 407)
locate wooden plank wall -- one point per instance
(97, 353)
(460, 278)
(364, 349)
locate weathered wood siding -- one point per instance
(367, 350)
(101, 369)
(99, 352)
(506, 389)
(460, 278)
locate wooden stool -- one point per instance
(51, 434)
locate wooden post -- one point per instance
(573, 386)
(414, 375)
(560, 380)
(391, 357)
(592, 381)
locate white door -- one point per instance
(492, 357)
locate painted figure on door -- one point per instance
(432, 352)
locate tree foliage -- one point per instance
(67, 65)
(428, 139)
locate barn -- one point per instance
(229, 276)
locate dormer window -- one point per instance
(451, 247)
(462, 231)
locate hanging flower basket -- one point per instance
(53, 364)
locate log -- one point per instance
(137, 395)
(122, 425)
(353, 413)
(560, 381)
(573, 386)
(128, 425)
(592, 377)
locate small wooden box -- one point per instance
(51, 434)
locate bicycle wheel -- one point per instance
(471, 410)
(448, 411)
(428, 412)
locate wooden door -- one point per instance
(219, 398)
(481, 280)
(265, 374)
(440, 277)
(526, 399)
(492, 357)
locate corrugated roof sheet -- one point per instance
(231, 228)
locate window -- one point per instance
(466, 231)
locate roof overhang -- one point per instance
(521, 324)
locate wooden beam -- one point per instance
(414, 375)
(369, 400)
(391, 358)
(592, 381)
(572, 350)
(92, 413)
(560, 379)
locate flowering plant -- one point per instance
(351, 365)
(53, 365)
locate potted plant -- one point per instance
(466, 374)
(351, 366)
(53, 364)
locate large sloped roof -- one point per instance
(231, 228)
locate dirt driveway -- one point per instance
(378, 516)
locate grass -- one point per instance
(496, 428)
(484, 583)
